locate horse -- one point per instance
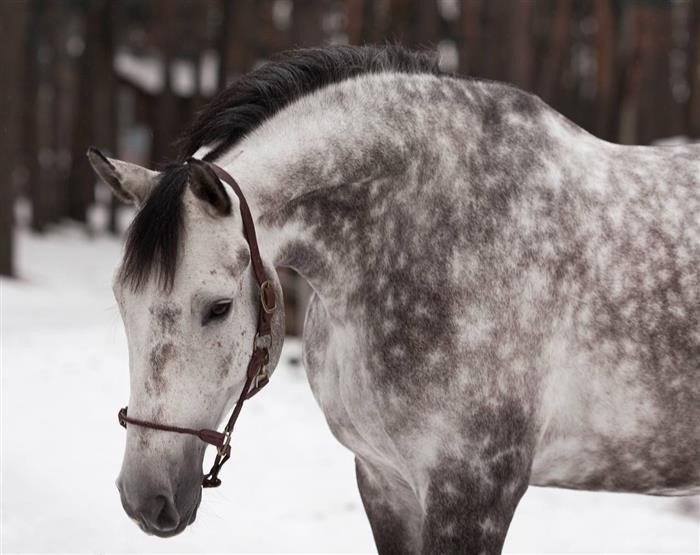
(499, 297)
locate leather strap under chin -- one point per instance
(256, 373)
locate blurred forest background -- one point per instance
(127, 75)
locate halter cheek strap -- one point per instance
(256, 373)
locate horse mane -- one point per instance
(256, 96)
(152, 242)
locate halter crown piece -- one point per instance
(256, 373)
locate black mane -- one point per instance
(152, 243)
(258, 95)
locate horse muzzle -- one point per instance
(159, 511)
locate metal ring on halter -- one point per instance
(226, 445)
(266, 286)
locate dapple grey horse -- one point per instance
(500, 298)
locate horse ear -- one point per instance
(130, 182)
(208, 188)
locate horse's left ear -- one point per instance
(208, 188)
(129, 182)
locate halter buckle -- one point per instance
(225, 447)
(268, 299)
(261, 376)
(262, 341)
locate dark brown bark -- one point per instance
(165, 118)
(557, 51)
(242, 43)
(375, 21)
(426, 28)
(106, 131)
(414, 24)
(659, 114)
(52, 173)
(268, 39)
(30, 123)
(355, 13)
(495, 47)
(197, 15)
(605, 66)
(693, 50)
(650, 110)
(520, 65)
(81, 181)
(11, 57)
(307, 18)
(222, 43)
(470, 32)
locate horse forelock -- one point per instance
(154, 237)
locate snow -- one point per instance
(289, 487)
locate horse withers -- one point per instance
(500, 298)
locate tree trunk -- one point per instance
(650, 111)
(470, 23)
(242, 42)
(11, 56)
(307, 18)
(354, 10)
(557, 52)
(521, 47)
(496, 40)
(224, 38)
(164, 132)
(693, 107)
(605, 67)
(658, 111)
(414, 24)
(426, 24)
(30, 124)
(106, 86)
(60, 116)
(81, 182)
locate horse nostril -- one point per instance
(163, 514)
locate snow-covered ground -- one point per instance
(64, 375)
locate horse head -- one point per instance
(189, 301)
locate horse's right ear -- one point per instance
(130, 182)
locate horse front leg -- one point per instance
(393, 510)
(470, 504)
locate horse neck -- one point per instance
(319, 173)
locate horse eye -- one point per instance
(218, 310)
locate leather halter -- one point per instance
(256, 373)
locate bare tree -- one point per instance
(414, 24)
(30, 123)
(693, 74)
(307, 23)
(520, 59)
(164, 21)
(10, 114)
(469, 37)
(355, 13)
(650, 112)
(241, 46)
(605, 66)
(105, 94)
(557, 51)
(222, 41)
(81, 182)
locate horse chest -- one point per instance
(337, 376)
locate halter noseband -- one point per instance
(256, 373)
